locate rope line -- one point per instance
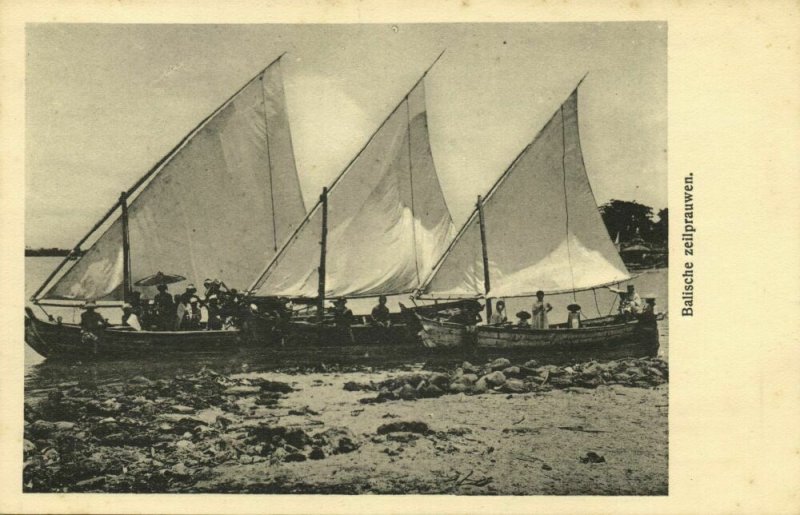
(566, 200)
(269, 164)
(411, 181)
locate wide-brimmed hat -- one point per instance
(524, 315)
(574, 308)
(90, 304)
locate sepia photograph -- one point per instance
(347, 259)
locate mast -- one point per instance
(126, 248)
(486, 285)
(143, 179)
(323, 199)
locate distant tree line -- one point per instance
(635, 223)
(47, 252)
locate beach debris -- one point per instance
(407, 427)
(500, 376)
(592, 457)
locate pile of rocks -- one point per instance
(501, 376)
(157, 436)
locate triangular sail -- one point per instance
(387, 219)
(219, 206)
(543, 228)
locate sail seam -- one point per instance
(411, 181)
(566, 199)
(269, 166)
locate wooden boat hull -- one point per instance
(436, 334)
(606, 337)
(64, 340)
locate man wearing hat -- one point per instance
(574, 317)
(192, 315)
(92, 324)
(214, 314)
(522, 319)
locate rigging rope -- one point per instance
(566, 201)
(269, 164)
(596, 305)
(411, 180)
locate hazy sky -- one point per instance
(105, 102)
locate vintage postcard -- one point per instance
(357, 257)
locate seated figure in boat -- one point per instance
(649, 309)
(92, 323)
(499, 316)
(466, 315)
(190, 292)
(214, 314)
(539, 311)
(191, 316)
(574, 317)
(343, 319)
(165, 308)
(631, 303)
(129, 317)
(380, 313)
(149, 316)
(136, 303)
(522, 320)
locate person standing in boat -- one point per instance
(380, 313)
(190, 292)
(165, 309)
(343, 319)
(129, 317)
(214, 314)
(192, 316)
(92, 324)
(499, 316)
(539, 311)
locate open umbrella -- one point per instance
(160, 278)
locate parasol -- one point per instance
(160, 278)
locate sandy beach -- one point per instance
(593, 429)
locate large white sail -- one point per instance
(387, 219)
(219, 206)
(542, 226)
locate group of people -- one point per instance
(630, 306)
(536, 319)
(216, 309)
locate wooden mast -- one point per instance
(323, 243)
(126, 248)
(486, 285)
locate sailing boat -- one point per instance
(377, 230)
(237, 165)
(538, 228)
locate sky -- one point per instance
(105, 102)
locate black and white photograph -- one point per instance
(347, 259)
